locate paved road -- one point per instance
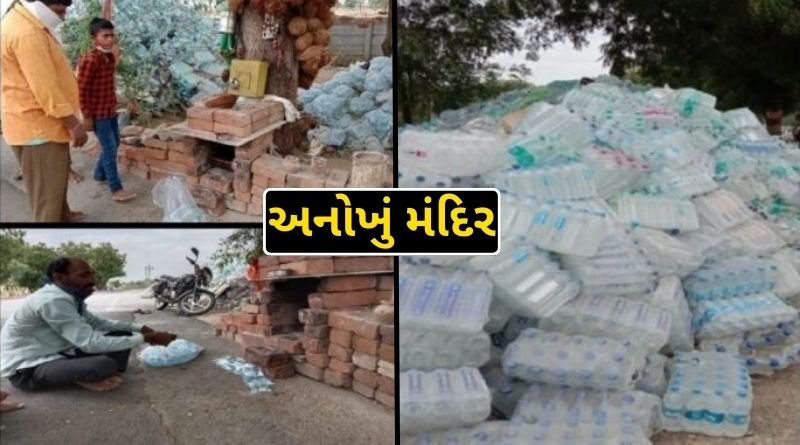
(196, 403)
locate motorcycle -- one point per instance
(190, 292)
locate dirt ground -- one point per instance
(775, 417)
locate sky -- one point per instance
(164, 249)
(562, 61)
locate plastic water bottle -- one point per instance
(515, 326)
(429, 350)
(708, 393)
(444, 300)
(500, 313)
(718, 318)
(667, 254)
(669, 296)
(731, 278)
(527, 281)
(566, 182)
(546, 403)
(756, 237)
(486, 433)
(551, 357)
(615, 318)
(722, 210)
(442, 399)
(658, 213)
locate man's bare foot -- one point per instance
(75, 177)
(76, 216)
(8, 406)
(103, 385)
(123, 196)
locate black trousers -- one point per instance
(81, 367)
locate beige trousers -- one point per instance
(45, 170)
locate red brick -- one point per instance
(207, 198)
(366, 378)
(340, 353)
(365, 346)
(385, 399)
(338, 379)
(278, 319)
(258, 183)
(386, 385)
(310, 267)
(238, 118)
(365, 361)
(202, 113)
(236, 206)
(255, 209)
(385, 282)
(250, 339)
(348, 283)
(313, 317)
(316, 331)
(318, 360)
(270, 167)
(307, 369)
(171, 168)
(184, 145)
(387, 334)
(257, 199)
(154, 153)
(364, 390)
(386, 353)
(362, 323)
(337, 179)
(340, 300)
(363, 264)
(291, 343)
(251, 309)
(200, 124)
(315, 345)
(154, 142)
(240, 131)
(240, 319)
(280, 372)
(255, 148)
(266, 356)
(340, 366)
(341, 338)
(217, 179)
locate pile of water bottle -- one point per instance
(649, 266)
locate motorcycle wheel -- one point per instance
(205, 302)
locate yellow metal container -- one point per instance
(248, 78)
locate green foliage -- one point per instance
(104, 258)
(243, 245)
(75, 32)
(25, 265)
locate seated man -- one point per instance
(52, 340)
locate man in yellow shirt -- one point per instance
(40, 104)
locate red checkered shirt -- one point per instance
(96, 83)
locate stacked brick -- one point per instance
(239, 123)
(155, 157)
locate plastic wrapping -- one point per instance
(177, 353)
(173, 196)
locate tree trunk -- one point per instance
(386, 47)
(283, 68)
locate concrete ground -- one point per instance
(88, 197)
(194, 403)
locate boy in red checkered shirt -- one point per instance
(99, 104)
